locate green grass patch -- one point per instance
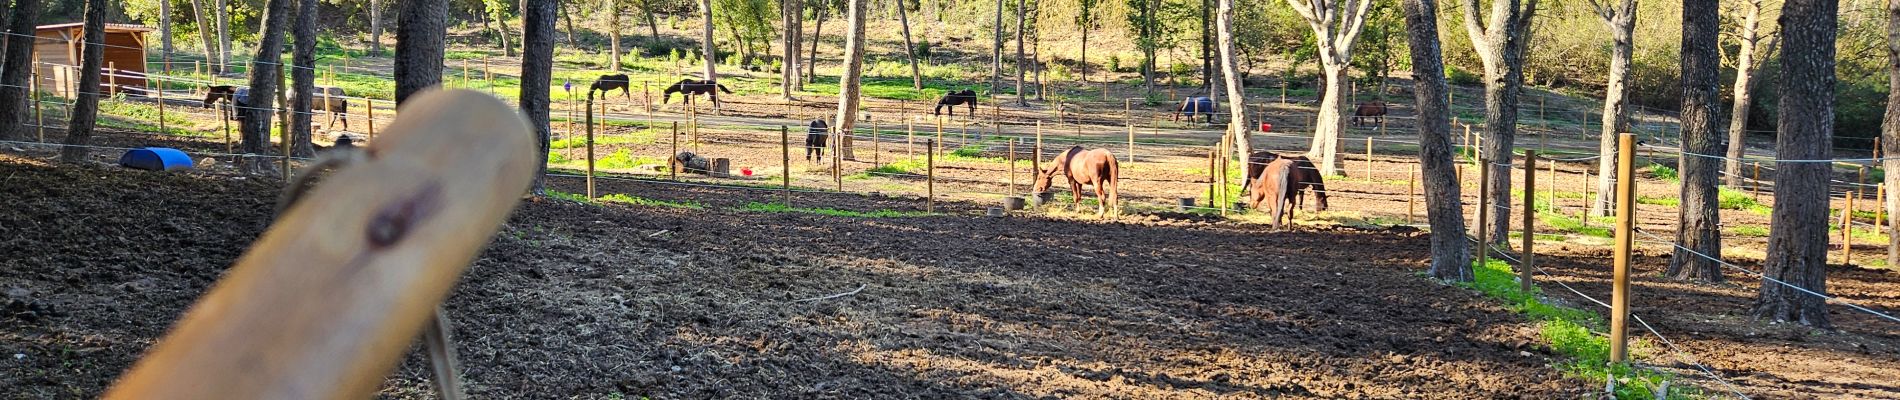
(1749, 230)
(642, 201)
(624, 159)
(782, 208)
(1568, 330)
(1662, 172)
(636, 137)
(1659, 201)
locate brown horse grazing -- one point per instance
(1256, 162)
(953, 99)
(1306, 176)
(694, 87)
(1094, 167)
(1368, 110)
(215, 94)
(609, 82)
(1275, 184)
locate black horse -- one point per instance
(953, 99)
(607, 83)
(693, 87)
(817, 137)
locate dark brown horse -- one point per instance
(1368, 111)
(694, 87)
(215, 94)
(1276, 184)
(1093, 167)
(1305, 175)
(607, 83)
(951, 100)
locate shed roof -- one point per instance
(110, 27)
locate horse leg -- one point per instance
(1075, 188)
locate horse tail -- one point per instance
(723, 88)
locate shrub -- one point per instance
(1461, 77)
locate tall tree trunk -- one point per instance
(811, 63)
(1889, 130)
(795, 35)
(224, 35)
(996, 49)
(1747, 63)
(706, 41)
(1451, 258)
(910, 49)
(789, 16)
(500, 27)
(848, 83)
(1621, 20)
(1230, 68)
(16, 68)
(653, 24)
(375, 27)
(165, 27)
(1797, 244)
(1501, 44)
(255, 126)
(537, 74)
(420, 29)
(568, 18)
(613, 39)
(1085, 47)
(1337, 26)
(303, 77)
(1698, 222)
(86, 105)
(1207, 53)
(1022, 9)
(205, 31)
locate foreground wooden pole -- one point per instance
(1625, 238)
(327, 301)
(785, 161)
(590, 146)
(369, 117)
(930, 178)
(1411, 196)
(1484, 211)
(673, 166)
(1527, 256)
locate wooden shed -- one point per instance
(56, 54)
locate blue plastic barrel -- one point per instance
(155, 159)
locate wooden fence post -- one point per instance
(1411, 195)
(936, 146)
(1012, 164)
(161, 107)
(1035, 155)
(837, 159)
(590, 143)
(1369, 157)
(112, 80)
(930, 178)
(673, 169)
(785, 161)
(1484, 211)
(369, 116)
(1625, 221)
(1847, 228)
(1530, 223)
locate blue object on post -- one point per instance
(155, 159)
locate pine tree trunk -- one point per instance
(653, 24)
(420, 29)
(1746, 65)
(1889, 132)
(852, 76)
(537, 76)
(613, 40)
(910, 49)
(568, 18)
(1022, 8)
(1698, 222)
(1230, 68)
(1501, 47)
(16, 68)
(789, 16)
(1615, 106)
(224, 35)
(706, 41)
(375, 27)
(303, 77)
(818, 32)
(165, 27)
(1085, 51)
(1797, 246)
(86, 105)
(257, 112)
(1451, 258)
(205, 31)
(996, 49)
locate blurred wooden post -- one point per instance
(332, 79)
(1847, 228)
(1035, 155)
(488, 76)
(1411, 195)
(1553, 186)
(1530, 223)
(646, 99)
(1583, 215)
(877, 146)
(673, 155)
(937, 145)
(1755, 187)
(39, 112)
(160, 94)
(1880, 206)
(1129, 122)
(785, 161)
(837, 160)
(318, 309)
(590, 144)
(1012, 165)
(1625, 238)
(1213, 197)
(112, 80)
(226, 117)
(930, 178)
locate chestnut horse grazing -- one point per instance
(1094, 167)
(1305, 175)
(1275, 184)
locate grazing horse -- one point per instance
(1193, 106)
(817, 136)
(953, 99)
(1256, 162)
(1275, 183)
(1094, 167)
(332, 100)
(230, 96)
(215, 94)
(1373, 110)
(1305, 175)
(692, 87)
(607, 83)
